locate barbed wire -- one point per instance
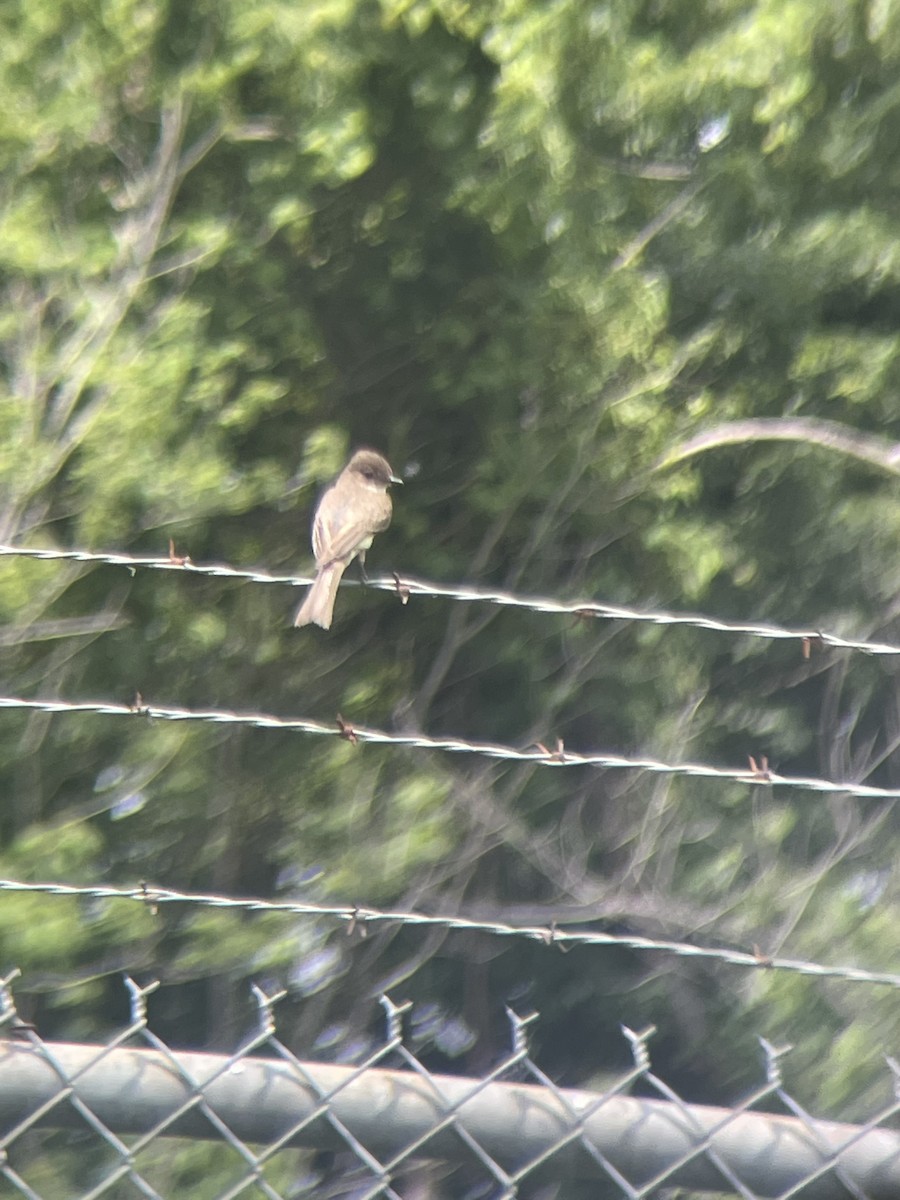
(357, 917)
(757, 773)
(406, 586)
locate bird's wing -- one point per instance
(337, 535)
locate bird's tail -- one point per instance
(318, 607)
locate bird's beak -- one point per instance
(395, 479)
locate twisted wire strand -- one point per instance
(407, 586)
(538, 754)
(355, 916)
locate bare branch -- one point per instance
(830, 435)
(671, 212)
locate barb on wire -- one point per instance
(538, 754)
(404, 587)
(174, 562)
(548, 935)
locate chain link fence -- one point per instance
(136, 1118)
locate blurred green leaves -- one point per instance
(527, 251)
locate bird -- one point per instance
(350, 513)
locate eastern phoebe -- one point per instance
(350, 513)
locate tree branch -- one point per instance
(830, 435)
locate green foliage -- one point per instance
(529, 251)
